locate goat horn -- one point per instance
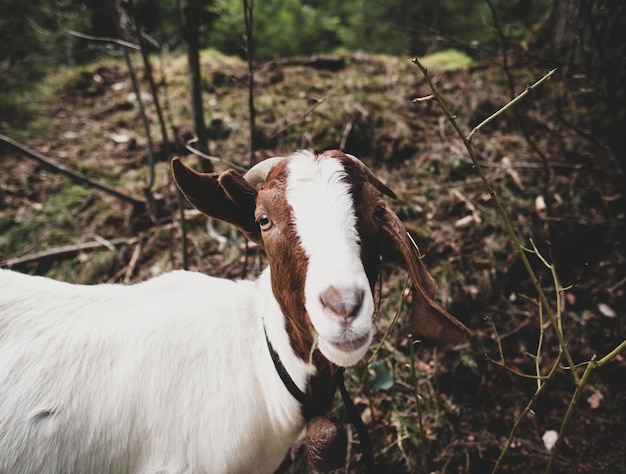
(257, 175)
(373, 180)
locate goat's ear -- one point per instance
(226, 197)
(428, 319)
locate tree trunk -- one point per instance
(587, 36)
(191, 15)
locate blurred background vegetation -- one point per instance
(282, 28)
(35, 38)
(579, 37)
(557, 159)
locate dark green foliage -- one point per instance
(33, 33)
(34, 38)
(399, 27)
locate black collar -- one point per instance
(310, 407)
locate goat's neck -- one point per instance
(311, 372)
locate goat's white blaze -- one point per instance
(325, 221)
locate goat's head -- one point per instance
(323, 223)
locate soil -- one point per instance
(561, 187)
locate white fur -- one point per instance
(171, 375)
(326, 223)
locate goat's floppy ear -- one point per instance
(428, 319)
(226, 197)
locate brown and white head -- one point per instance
(323, 223)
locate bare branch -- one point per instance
(205, 156)
(151, 208)
(426, 98)
(67, 250)
(502, 213)
(248, 13)
(105, 39)
(73, 175)
(299, 119)
(510, 104)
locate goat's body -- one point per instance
(84, 370)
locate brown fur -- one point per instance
(286, 258)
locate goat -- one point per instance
(173, 375)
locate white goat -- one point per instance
(174, 375)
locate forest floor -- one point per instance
(559, 185)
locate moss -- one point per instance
(446, 60)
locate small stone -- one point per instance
(549, 439)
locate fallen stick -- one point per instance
(104, 39)
(67, 250)
(73, 175)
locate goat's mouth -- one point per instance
(347, 350)
(350, 345)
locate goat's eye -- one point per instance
(264, 222)
(379, 212)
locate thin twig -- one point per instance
(422, 432)
(151, 207)
(513, 370)
(502, 211)
(132, 263)
(504, 44)
(248, 14)
(510, 104)
(155, 96)
(555, 319)
(528, 165)
(197, 152)
(395, 320)
(105, 39)
(540, 388)
(540, 344)
(593, 364)
(570, 410)
(192, 10)
(426, 98)
(611, 355)
(167, 112)
(303, 116)
(66, 250)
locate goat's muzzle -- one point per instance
(342, 304)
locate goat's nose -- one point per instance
(344, 303)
